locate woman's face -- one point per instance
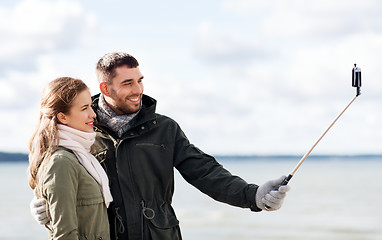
(81, 115)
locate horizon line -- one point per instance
(20, 157)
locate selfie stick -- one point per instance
(356, 82)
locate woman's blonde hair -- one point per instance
(57, 97)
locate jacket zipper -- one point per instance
(134, 191)
(151, 145)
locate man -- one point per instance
(139, 149)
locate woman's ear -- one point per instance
(104, 89)
(61, 118)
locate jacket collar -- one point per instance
(147, 112)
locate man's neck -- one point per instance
(118, 123)
(109, 107)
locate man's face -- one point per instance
(125, 91)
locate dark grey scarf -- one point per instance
(118, 123)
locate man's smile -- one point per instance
(134, 99)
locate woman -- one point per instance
(61, 168)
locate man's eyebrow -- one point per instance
(126, 80)
(129, 80)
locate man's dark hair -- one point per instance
(109, 62)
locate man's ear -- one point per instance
(104, 89)
(61, 117)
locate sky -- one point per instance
(239, 76)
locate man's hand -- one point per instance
(39, 209)
(270, 195)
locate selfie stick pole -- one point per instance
(356, 82)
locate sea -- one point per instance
(331, 198)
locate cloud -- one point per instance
(221, 47)
(282, 70)
(308, 45)
(34, 31)
(35, 35)
(36, 27)
(326, 19)
(242, 77)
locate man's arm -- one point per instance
(210, 177)
(39, 210)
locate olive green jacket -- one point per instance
(74, 199)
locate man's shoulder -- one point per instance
(95, 99)
(163, 117)
(166, 122)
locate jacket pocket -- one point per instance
(95, 236)
(90, 201)
(160, 216)
(161, 222)
(160, 146)
(164, 227)
(164, 221)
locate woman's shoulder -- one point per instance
(63, 164)
(62, 152)
(63, 158)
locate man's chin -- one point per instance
(132, 109)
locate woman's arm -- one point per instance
(59, 187)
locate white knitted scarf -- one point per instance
(80, 142)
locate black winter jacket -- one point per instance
(140, 166)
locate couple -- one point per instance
(115, 180)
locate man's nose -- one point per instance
(137, 88)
